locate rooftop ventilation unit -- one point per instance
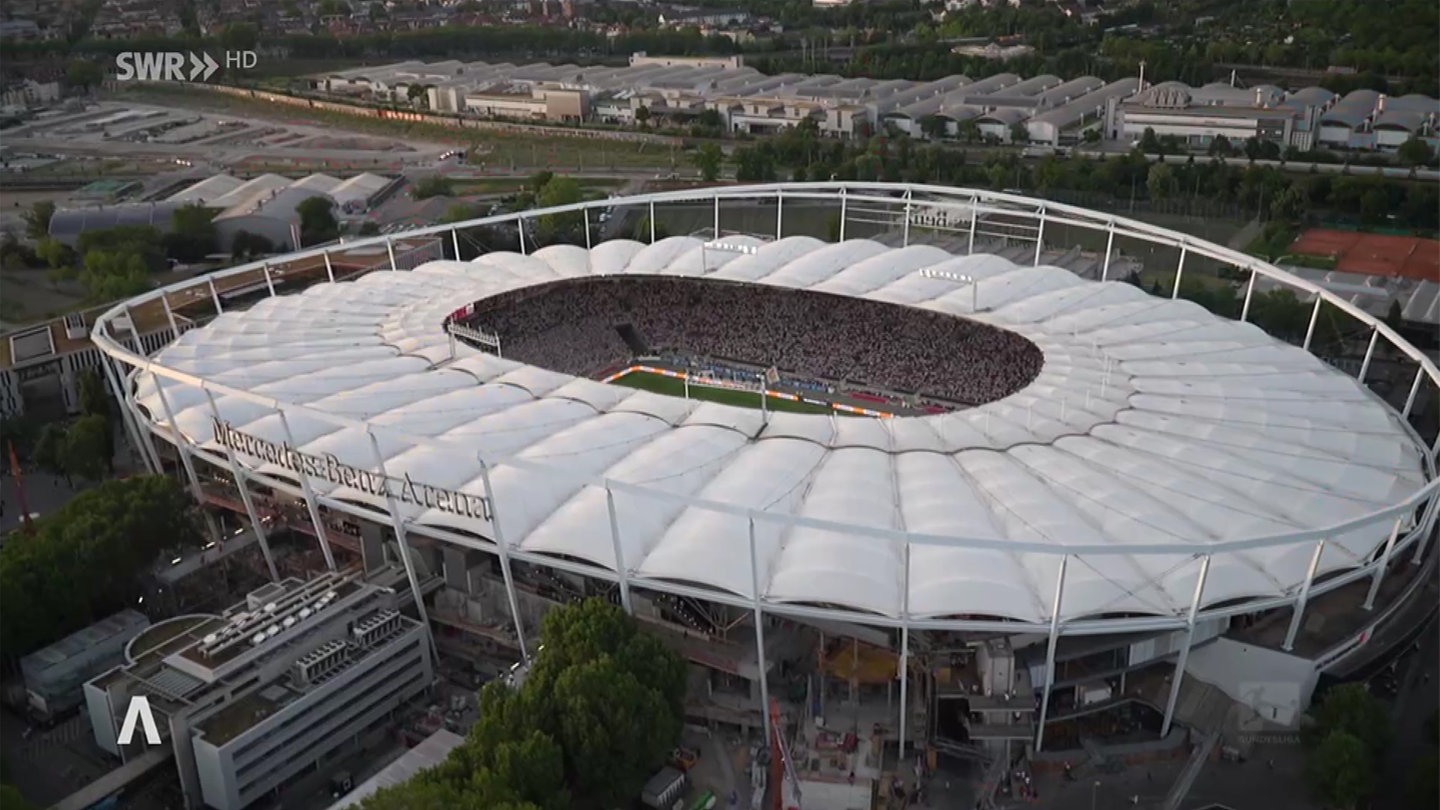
(322, 661)
(371, 629)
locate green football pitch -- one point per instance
(671, 386)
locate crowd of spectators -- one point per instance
(580, 326)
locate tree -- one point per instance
(436, 185)
(88, 449)
(1351, 708)
(240, 37)
(245, 245)
(83, 74)
(37, 219)
(642, 116)
(1019, 133)
(1221, 147)
(192, 233)
(708, 159)
(1415, 152)
(369, 228)
(11, 799)
(1160, 181)
(56, 254)
(82, 562)
(934, 127)
(317, 220)
(1340, 770)
(559, 190)
(642, 230)
(94, 399)
(600, 709)
(49, 452)
(1149, 144)
(415, 93)
(109, 275)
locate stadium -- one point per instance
(995, 452)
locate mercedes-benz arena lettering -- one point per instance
(1167, 466)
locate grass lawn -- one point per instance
(671, 386)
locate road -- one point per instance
(1416, 700)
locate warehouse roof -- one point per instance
(211, 188)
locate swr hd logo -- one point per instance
(139, 713)
(176, 66)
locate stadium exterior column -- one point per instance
(587, 229)
(1414, 392)
(309, 494)
(390, 252)
(1109, 249)
(127, 415)
(520, 232)
(1303, 598)
(1369, 355)
(759, 631)
(269, 282)
(122, 383)
(170, 317)
(400, 536)
(904, 682)
(1314, 318)
(455, 238)
(716, 228)
(779, 213)
(905, 242)
(1179, 271)
(1185, 648)
(180, 444)
(1050, 653)
(1384, 563)
(620, 568)
(652, 222)
(215, 295)
(1426, 523)
(241, 482)
(1040, 237)
(844, 211)
(1249, 294)
(904, 649)
(504, 552)
(974, 221)
(329, 267)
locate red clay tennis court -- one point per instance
(1373, 254)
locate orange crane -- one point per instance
(783, 779)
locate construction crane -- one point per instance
(785, 782)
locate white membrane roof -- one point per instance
(1152, 422)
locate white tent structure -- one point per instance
(1166, 465)
(1153, 422)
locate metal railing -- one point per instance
(1403, 532)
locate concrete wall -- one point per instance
(1275, 684)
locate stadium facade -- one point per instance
(1169, 476)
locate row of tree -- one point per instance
(1346, 747)
(598, 711)
(81, 563)
(1270, 192)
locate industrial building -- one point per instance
(1306, 119)
(265, 205)
(55, 676)
(1050, 110)
(269, 691)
